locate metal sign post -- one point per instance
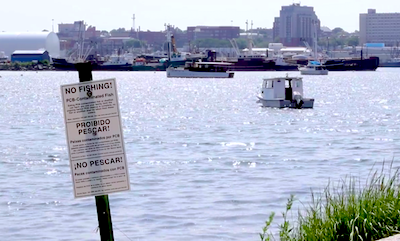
(102, 202)
(95, 142)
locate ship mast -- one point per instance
(169, 42)
(249, 40)
(81, 41)
(315, 40)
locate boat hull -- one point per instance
(279, 103)
(390, 64)
(313, 72)
(125, 67)
(369, 64)
(63, 65)
(149, 67)
(182, 73)
(177, 63)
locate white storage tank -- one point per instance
(11, 41)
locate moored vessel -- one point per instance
(201, 70)
(284, 92)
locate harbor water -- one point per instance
(206, 162)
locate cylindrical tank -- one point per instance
(11, 41)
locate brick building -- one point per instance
(216, 32)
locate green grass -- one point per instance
(349, 210)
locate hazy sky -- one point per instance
(28, 15)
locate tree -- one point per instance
(242, 43)
(260, 42)
(352, 41)
(337, 31)
(119, 30)
(105, 33)
(212, 43)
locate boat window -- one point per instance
(298, 84)
(287, 83)
(269, 84)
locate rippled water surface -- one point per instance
(206, 161)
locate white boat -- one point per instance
(3, 57)
(313, 68)
(284, 92)
(201, 70)
(118, 60)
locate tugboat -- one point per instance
(284, 92)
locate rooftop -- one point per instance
(39, 51)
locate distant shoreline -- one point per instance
(29, 66)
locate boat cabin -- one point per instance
(282, 88)
(315, 65)
(320, 67)
(207, 66)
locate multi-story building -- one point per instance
(216, 32)
(150, 37)
(76, 30)
(380, 28)
(73, 31)
(70, 34)
(296, 24)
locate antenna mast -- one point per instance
(133, 23)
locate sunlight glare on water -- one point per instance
(206, 161)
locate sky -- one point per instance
(27, 15)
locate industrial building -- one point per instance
(30, 56)
(380, 28)
(296, 24)
(32, 41)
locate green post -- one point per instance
(104, 217)
(102, 203)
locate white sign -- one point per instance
(95, 139)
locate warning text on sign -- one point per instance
(95, 138)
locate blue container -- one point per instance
(374, 45)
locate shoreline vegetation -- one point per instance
(347, 210)
(19, 66)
